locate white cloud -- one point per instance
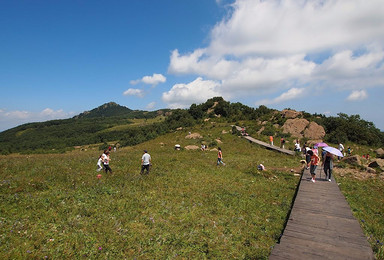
(276, 27)
(197, 91)
(9, 119)
(151, 106)
(357, 95)
(134, 92)
(293, 93)
(150, 80)
(266, 47)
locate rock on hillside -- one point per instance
(314, 131)
(193, 136)
(287, 113)
(295, 127)
(300, 127)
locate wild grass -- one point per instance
(54, 206)
(366, 200)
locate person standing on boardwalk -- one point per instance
(145, 162)
(328, 165)
(314, 162)
(106, 160)
(220, 157)
(271, 139)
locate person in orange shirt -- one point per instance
(271, 139)
(315, 159)
(220, 157)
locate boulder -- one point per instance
(295, 127)
(380, 152)
(192, 147)
(287, 113)
(314, 131)
(194, 136)
(377, 163)
(355, 159)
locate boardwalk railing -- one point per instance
(266, 145)
(321, 225)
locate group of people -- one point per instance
(104, 159)
(313, 160)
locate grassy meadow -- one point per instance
(53, 206)
(365, 196)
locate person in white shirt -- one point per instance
(100, 164)
(145, 162)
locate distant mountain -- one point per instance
(111, 123)
(106, 110)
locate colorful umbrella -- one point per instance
(333, 150)
(321, 145)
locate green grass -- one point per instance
(53, 206)
(366, 200)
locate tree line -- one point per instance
(61, 135)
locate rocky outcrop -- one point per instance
(295, 127)
(300, 127)
(287, 113)
(314, 131)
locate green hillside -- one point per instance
(54, 207)
(112, 123)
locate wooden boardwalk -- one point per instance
(267, 145)
(321, 225)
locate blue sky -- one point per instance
(60, 58)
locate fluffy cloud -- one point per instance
(274, 45)
(150, 80)
(291, 94)
(197, 91)
(357, 95)
(134, 92)
(14, 118)
(277, 27)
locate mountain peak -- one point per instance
(106, 110)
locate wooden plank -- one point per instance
(321, 225)
(266, 145)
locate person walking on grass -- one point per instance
(220, 157)
(328, 165)
(106, 160)
(314, 162)
(100, 163)
(145, 162)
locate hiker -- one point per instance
(314, 162)
(308, 158)
(282, 142)
(328, 165)
(145, 162)
(100, 163)
(271, 139)
(220, 157)
(297, 146)
(106, 160)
